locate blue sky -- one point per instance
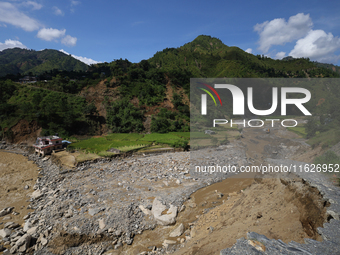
(107, 30)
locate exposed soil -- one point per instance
(25, 131)
(15, 173)
(278, 209)
(214, 217)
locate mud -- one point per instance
(15, 173)
(214, 217)
(279, 209)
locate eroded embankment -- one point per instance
(95, 209)
(287, 209)
(216, 216)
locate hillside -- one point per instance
(152, 95)
(209, 57)
(23, 61)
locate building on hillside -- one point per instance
(46, 144)
(28, 79)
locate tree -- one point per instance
(311, 127)
(124, 117)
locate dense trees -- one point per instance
(124, 117)
(55, 100)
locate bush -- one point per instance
(327, 158)
(124, 117)
(181, 144)
(160, 125)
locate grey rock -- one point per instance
(7, 218)
(13, 249)
(32, 231)
(5, 232)
(94, 211)
(178, 231)
(164, 219)
(37, 194)
(24, 240)
(43, 241)
(27, 226)
(6, 211)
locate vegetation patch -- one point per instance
(328, 159)
(129, 142)
(300, 131)
(325, 139)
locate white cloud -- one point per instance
(280, 55)
(11, 15)
(69, 40)
(249, 50)
(74, 3)
(57, 11)
(317, 45)
(35, 5)
(9, 44)
(85, 60)
(280, 31)
(50, 34)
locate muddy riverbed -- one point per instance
(107, 207)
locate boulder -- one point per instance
(27, 226)
(162, 215)
(32, 231)
(37, 194)
(5, 232)
(178, 231)
(25, 240)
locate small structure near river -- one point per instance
(46, 144)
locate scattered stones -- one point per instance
(11, 225)
(57, 190)
(6, 211)
(168, 244)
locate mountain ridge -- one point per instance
(25, 61)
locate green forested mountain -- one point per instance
(130, 97)
(23, 61)
(209, 57)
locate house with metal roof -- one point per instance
(46, 144)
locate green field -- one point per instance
(300, 131)
(130, 142)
